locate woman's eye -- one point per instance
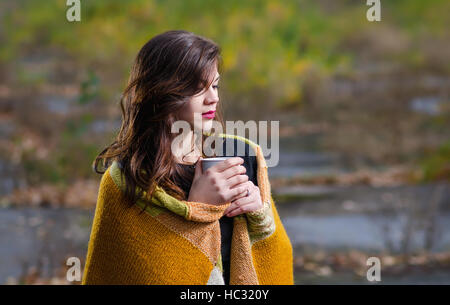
(216, 87)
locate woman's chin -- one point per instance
(207, 125)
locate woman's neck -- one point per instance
(187, 149)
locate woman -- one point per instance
(159, 218)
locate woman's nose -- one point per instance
(212, 96)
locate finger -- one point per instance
(244, 208)
(238, 191)
(221, 166)
(236, 180)
(231, 207)
(233, 171)
(243, 199)
(240, 195)
(238, 203)
(242, 190)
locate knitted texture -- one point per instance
(178, 242)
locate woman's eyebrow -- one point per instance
(218, 77)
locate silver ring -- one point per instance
(248, 193)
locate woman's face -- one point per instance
(202, 106)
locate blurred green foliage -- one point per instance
(89, 89)
(266, 43)
(275, 53)
(436, 164)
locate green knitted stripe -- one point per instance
(153, 210)
(171, 203)
(115, 174)
(160, 199)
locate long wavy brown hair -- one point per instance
(168, 70)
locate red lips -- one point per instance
(209, 112)
(209, 115)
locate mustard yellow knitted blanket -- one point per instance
(178, 242)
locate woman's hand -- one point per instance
(244, 204)
(220, 183)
